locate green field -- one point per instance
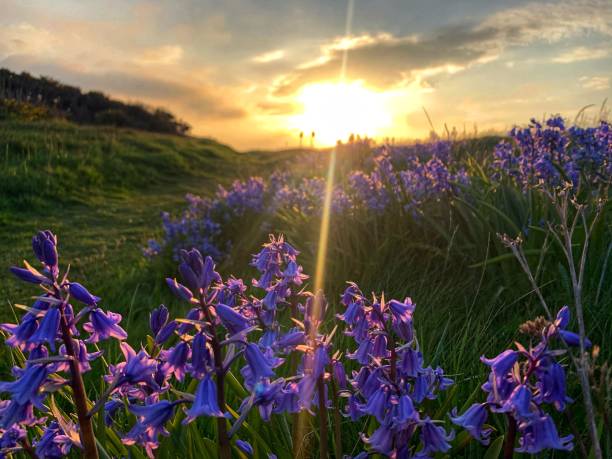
(102, 190)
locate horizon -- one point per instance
(485, 64)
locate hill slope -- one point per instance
(102, 190)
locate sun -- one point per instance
(333, 111)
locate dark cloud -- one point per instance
(385, 60)
(205, 102)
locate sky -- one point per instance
(254, 74)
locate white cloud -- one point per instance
(596, 83)
(269, 56)
(581, 53)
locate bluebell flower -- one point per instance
(110, 408)
(44, 245)
(151, 421)
(54, 443)
(501, 364)
(540, 434)
(201, 357)
(179, 289)
(434, 438)
(21, 332)
(158, 318)
(137, 368)
(473, 421)
(258, 363)
(381, 440)
(205, 403)
(245, 447)
(31, 275)
(232, 320)
(48, 330)
(175, 360)
(166, 332)
(103, 326)
(81, 294)
(27, 388)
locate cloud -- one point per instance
(163, 55)
(25, 38)
(269, 56)
(581, 53)
(386, 60)
(596, 83)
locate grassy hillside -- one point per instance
(102, 190)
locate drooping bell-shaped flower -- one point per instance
(48, 330)
(201, 357)
(231, 319)
(501, 364)
(245, 447)
(473, 421)
(175, 360)
(258, 363)
(103, 325)
(179, 289)
(21, 332)
(54, 443)
(205, 403)
(434, 438)
(540, 434)
(81, 294)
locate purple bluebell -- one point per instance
(54, 443)
(137, 368)
(48, 329)
(201, 356)
(434, 438)
(158, 318)
(31, 275)
(44, 245)
(501, 364)
(179, 289)
(21, 332)
(175, 360)
(245, 447)
(258, 363)
(205, 403)
(232, 320)
(151, 421)
(166, 332)
(103, 325)
(473, 421)
(541, 433)
(81, 294)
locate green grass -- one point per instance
(101, 190)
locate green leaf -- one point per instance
(494, 448)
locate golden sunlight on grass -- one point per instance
(336, 110)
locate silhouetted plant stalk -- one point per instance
(564, 200)
(86, 432)
(510, 438)
(222, 435)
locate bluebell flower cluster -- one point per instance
(392, 382)
(404, 177)
(223, 327)
(57, 341)
(284, 368)
(521, 384)
(550, 154)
